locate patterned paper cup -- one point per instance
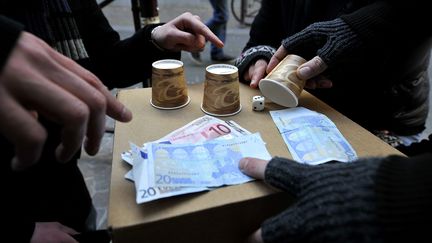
(282, 85)
(221, 91)
(169, 90)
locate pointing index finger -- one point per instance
(199, 28)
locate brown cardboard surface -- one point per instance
(226, 214)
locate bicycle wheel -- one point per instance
(244, 11)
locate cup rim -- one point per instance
(278, 93)
(228, 66)
(171, 108)
(228, 114)
(167, 61)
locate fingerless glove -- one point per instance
(250, 56)
(336, 202)
(330, 40)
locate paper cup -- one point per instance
(169, 90)
(221, 91)
(282, 85)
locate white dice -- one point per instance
(258, 103)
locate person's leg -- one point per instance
(218, 24)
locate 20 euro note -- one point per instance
(207, 164)
(146, 190)
(311, 137)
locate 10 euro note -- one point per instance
(311, 137)
(207, 164)
(203, 129)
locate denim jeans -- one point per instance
(218, 23)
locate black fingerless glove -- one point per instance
(250, 56)
(336, 202)
(331, 40)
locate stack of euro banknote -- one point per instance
(204, 154)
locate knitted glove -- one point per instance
(331, 40)
(336, 202)
(250, 56)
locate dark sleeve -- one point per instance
(267, 25)
(404, 191)
(118, 63)
(387, 22)
(10, 32)
(18, 231)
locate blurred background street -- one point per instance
(97, 169)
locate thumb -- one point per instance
(253, 167)
(255, 237)
(279, 55)
(258, 73)
(311, 68)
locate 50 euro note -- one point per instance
(206, 164)
(311, 137)
(201, 129)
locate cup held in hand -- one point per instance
(169, 90)
(282, 85)
(221, 91)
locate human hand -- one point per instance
(52, 232)
(38, 80)
(330, 42)
(256, 72)
(310, 71)
(187, 33)
(335, 201)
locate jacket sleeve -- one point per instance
(10, 32)
(118, 63)
(404, 192)
(266, 25)
(385, 22)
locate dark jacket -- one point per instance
(53, 191)
(381, 85)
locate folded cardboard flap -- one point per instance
(228, 223)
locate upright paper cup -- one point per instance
(221, 91)
(282, 85)
(169, 90)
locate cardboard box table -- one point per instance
(227, 214)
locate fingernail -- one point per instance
(61, 155)
(91, 150)
(126, 114)
(305, 72)
(17, 165)
(243, 164)
(325, 84)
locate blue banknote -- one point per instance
(311, 137)
(211, 164)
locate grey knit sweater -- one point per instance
(370, 200)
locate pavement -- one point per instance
(97, 169)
